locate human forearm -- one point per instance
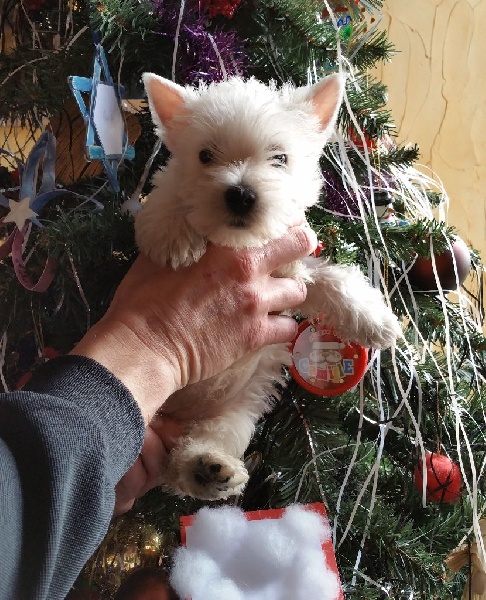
(148, 375)
(65, 441)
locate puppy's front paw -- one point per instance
(355, 310)
(370, 323)
(379, 330)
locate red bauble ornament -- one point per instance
(421, 275)
(319, 249)
(226, 8)
(443, 476)
(337, 7)
(15, 177)
(47, 354)
(355, 137)
(146, 582)
(34, 4)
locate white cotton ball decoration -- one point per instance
(306, 524)
(190, 568)
(315, 580)
(221, 589)
(212, 530)
(269, 545)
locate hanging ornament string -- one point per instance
(133, 204)
(25, 211)
(81, 291)
(3, 348)
(23, 276)
(312, 450)
(411, 187)
(176, 39)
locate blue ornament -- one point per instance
(32, 199)
(106, 137)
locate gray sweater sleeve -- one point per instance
(65, 441)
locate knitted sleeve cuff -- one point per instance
(102, 396)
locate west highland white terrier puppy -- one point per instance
(244, 166)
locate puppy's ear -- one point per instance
(166, 100)
(326, 97)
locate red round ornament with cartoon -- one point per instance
(322, 363)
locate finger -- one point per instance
(154, 459)
(298, 243)
(122, 507)
(281, 329)
(298, 219)
(146, 472)
(285, 293)
(129, 486)
(167, 429)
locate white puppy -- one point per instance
(244, 167)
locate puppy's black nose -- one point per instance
(240, 200)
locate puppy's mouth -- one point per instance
(238, 223)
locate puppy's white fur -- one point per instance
(264, 141)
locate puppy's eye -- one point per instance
(279, 160)
(205, 156)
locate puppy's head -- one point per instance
(245, 156)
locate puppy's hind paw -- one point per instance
(213, 476)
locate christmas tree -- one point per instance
(374, 453)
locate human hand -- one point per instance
(168, 328)
(146, 471)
